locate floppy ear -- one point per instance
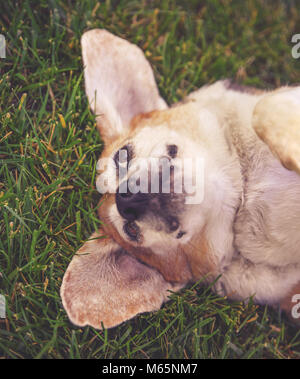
(119, 81)
(104, 284)
(276, 120)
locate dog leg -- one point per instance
(267, 284)
(276, 120)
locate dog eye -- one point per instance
(124, 155)
(132, 230)
(180, 234)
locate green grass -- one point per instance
(48, 152)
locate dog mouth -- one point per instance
(133, 231)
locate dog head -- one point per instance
(164, 180)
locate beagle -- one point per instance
(240, 222)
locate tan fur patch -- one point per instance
(200, 257)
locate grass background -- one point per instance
(48, 153)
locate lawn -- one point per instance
(48, 152)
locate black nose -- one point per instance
(132, 206)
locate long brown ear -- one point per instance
(276, 120)
(119, 81)
(104, 284)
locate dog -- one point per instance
(244, 230)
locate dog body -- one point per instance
(245, 228)
(264, 258)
